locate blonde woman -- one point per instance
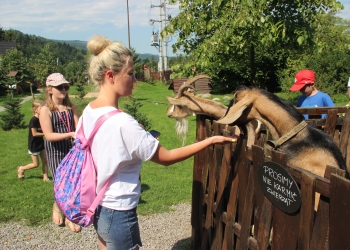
(35, 144)
(119, 163)
(58, 119)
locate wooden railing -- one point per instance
(230, 210)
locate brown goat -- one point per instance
(186, 104)
(310, 149)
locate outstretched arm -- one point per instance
(167, 157)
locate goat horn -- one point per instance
(193, 79)
(188, 84)
(182, 89)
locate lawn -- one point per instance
(31, 200)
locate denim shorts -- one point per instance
(119, 229)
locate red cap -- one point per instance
(302, 78)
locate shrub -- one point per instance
(12, 117)
(80, 90)
(133, 110)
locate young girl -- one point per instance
(35, 144)
(58, 119)
(121, 145)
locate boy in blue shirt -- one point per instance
(311, 97)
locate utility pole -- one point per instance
(165, 40)
(163, 43)
(160, 66)
(127, 8)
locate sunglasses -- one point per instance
(61, 87)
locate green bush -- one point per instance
(12, 117)
(133, 110)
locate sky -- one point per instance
(81, 19)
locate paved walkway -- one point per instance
(23, 101)
(88, 95)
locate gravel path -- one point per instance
(170, 230)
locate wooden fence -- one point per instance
(231, 211)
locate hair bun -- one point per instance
(97, 44)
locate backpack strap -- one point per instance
(90, 212)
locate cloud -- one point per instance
(346, 12)
(72, 15)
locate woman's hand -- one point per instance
(72, 135)
(223, 140)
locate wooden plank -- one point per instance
(344, 138)
(221, 174)
(263, 207)
(230, 215)
(339, 217)
(285, 226)
(331, 118)
(243, 182)
(209, 219)
(321, 110)
(197, 188)
(248, 212)
(306, 210)
(320, 233)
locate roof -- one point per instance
(12, 73)
(6, 45)
(202, 86)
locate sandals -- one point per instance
(73, 227)
(20, 173)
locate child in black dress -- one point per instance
(35, 144)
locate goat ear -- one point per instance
(235, 112)
(174, 101)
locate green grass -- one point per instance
(31, 200)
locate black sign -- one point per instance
(279, 187)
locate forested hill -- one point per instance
(82, 46)
(64, 49)
(31, 45)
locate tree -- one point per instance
(12, 117)
(133, 109)
(137, 62)
(43, 64)
(14, 60)
(226, 36)
(2, 33)
(329, 57)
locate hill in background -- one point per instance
(81, 45)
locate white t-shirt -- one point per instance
(118, 150)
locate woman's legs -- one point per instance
(44, 165)
(101, 243)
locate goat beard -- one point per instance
(182, 129)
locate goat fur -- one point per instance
(310, 149)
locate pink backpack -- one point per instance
(76, 179)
